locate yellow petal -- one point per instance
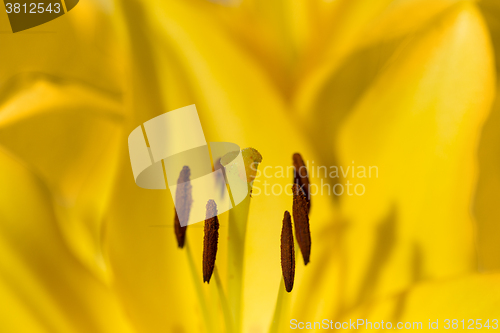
(59, 100)
(80, 45)
(45, 286)
(67, 134)
(486, 209)
(353, 46)
(490, 9)
(418, 123)
(473, 299)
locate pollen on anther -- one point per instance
(210, 240)
(301, 177)
(301, 221)
(287, 252)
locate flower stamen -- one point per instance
(301, 177)
(183, 201)
(210, 240)
(287, 252)
(301, 221)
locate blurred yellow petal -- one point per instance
(81, 46)
(349, 19)
(359, 36)
(60, 112)
(44, 287)
(416, 13)
(418, 123)
(486, 208)
(490, 9)
(471, 297)
(68, 138)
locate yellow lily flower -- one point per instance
(402, 89)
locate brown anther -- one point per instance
(301, 177)
(183, 201)
(210, 240)
(287, 252)
(301, 220)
